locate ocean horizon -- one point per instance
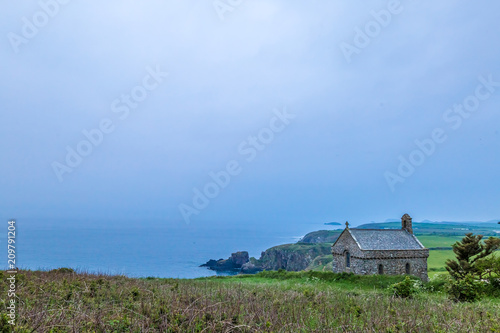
(141, 249)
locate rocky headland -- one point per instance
(312, 252)
(233, 263)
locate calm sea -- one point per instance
(140, 249)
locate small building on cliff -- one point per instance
(380, 251)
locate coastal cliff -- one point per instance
(293, 257)
(290, 257)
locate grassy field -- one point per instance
(436, 261)
(430, 241)
(268, 302)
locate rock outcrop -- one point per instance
(250, 268)
(235, 262)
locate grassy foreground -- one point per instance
(60, 301)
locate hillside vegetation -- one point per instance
(62, 301)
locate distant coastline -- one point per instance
(332, 223)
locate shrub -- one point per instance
(492, 287)
(465, 290)
(495, 283)
(405, 288)
(437, 283)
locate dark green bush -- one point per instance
(436, 284)
(465, 290)
(492, 287)
(405, 288)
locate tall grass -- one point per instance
(63, 301)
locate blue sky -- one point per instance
(354, 116)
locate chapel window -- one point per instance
(347, 259)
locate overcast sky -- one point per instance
(317, 111)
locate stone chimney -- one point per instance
(406, 223)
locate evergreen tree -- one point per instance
(468, 251)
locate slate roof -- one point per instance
(385, 239)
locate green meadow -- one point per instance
(433, 241)
(276, 301)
